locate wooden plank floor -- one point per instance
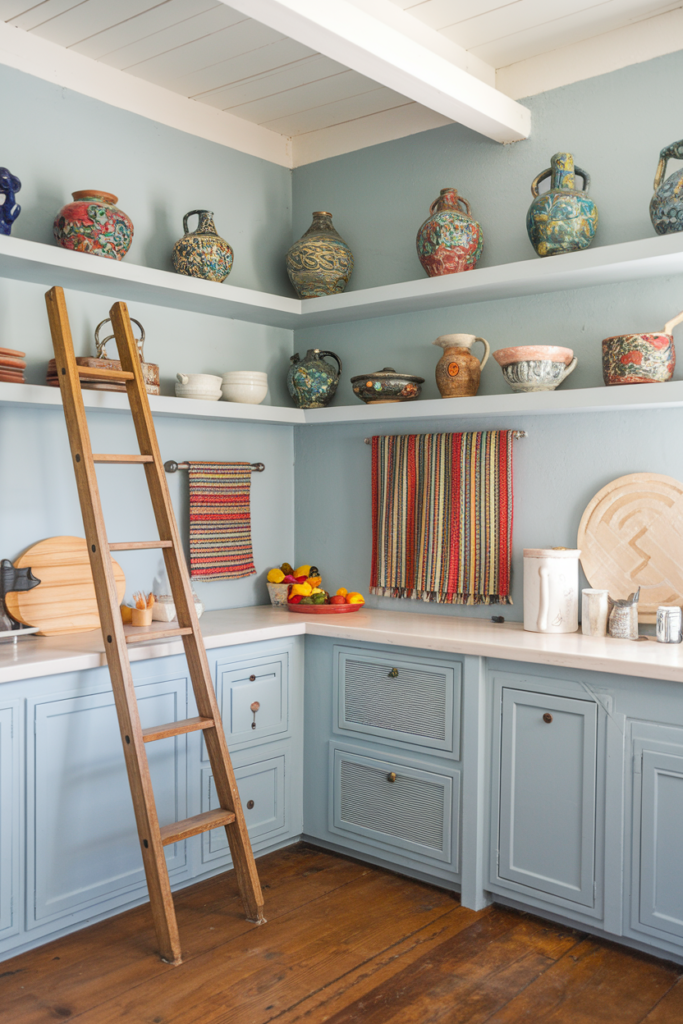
(345, 943)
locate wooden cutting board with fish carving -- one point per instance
(631, 535)
(65, 601)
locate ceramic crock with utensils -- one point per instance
(640, 358)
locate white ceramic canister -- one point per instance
(551, 590)
(594, 612)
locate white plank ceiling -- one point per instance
(210, 53)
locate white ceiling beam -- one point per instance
(379, 50)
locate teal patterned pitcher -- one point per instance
(563, 219)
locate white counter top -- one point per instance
(40, 656)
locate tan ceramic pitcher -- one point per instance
(458, 372)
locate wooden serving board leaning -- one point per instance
(631, 535)
(65, 601)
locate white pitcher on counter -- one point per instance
(551, 590)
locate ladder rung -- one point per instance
(95, 371)
(139, 545)
(123, 458)
(161, 732)
(157, 634)
(193, 826)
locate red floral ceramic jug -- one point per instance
(449, 241)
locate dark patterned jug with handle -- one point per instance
(563, 219)
(311, 381)
(666, 205)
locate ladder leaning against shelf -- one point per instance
(153, 838)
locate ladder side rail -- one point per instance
(198, 664)
(113, 633)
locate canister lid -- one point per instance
(551, 552)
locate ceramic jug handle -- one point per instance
(186, 228)
(333, 356)
(460, 200)
(585, 175)
(668, 327)
(570, 368)
(487, 351)
(544, 601)
(672, 152)
(538, 179)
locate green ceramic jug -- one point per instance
(563, 219)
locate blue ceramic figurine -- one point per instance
(10, 209)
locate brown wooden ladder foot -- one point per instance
(229, 814)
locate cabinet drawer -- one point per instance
(548, 794)
(263, 681)
(263, 786)
(661, 841)
(403, 700)
(413, 813)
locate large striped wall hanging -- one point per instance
(442, 508)
(220, 521)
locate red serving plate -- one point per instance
(324, 609)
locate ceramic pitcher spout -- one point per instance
(466, 341)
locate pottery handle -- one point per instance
(460, 199)
(332, 356)
(538, 179)
(186, 228)
(182, 378)
(586, 177)
(544, 600)
(672, 152)
(570, 368)
(487, 351)
(669, 326)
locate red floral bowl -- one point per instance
(638, 358)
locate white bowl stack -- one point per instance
(205, 386)
(249, 386)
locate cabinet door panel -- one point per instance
(661, 877)
(83, 843)
(9, 819)
(548, 790)
(264, 681)
(263, 786)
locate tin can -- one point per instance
(669, 624)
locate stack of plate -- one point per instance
(12, 366)
(249, 386)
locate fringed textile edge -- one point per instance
(438, 598)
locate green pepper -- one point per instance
(317, 599)
(307, 600)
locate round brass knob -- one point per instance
(255, 706)
(252, 679)
(547, 717)
(250, 805)
(391, 777)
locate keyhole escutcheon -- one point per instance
(254, 708)
(547, 718)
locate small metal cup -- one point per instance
(669, 624)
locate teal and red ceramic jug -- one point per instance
(449, 241)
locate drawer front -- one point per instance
(263, 681)
(413, 813)
(548, 794)
(262, 792)
(407, 701)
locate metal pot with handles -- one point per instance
(551, 590)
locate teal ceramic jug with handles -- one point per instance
(666, 205)
(563, 219)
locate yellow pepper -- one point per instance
(354, 598)
(316, 590)
(315, 581)
(303, 570)
(275, 576)
(305, 589)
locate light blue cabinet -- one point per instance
(253, 697)
(548, 794)
(661, 842)
(10, 821)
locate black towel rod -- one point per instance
(172, 467)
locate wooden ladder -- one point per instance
(153, 838)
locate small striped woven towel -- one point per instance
(442, 517)
(220, 521)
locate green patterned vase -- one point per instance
(320, 263)
(563, 219)
(202, 252)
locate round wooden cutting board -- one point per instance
(631, 535)
(65, 601)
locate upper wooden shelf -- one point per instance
(505, 406)
(51, 265)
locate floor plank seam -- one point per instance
(362, 964)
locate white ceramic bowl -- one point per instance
(249, 392)
(206, 381)
(253, 376)
(200, 393)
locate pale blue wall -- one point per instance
(615, 125)
(58, 141)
